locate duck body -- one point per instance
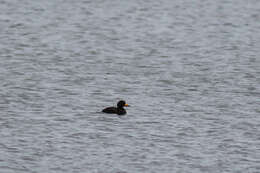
(114, 110)
(119, 110)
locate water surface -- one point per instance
(189, 69)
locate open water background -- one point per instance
(189, 69)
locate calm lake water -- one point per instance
(189, 69)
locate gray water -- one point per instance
(189, 69)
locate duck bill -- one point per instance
(126, 105)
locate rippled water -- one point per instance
(189, 69)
